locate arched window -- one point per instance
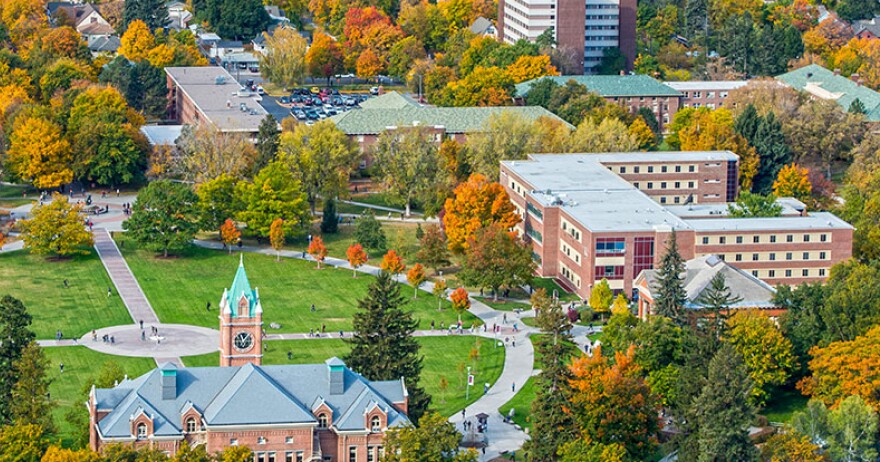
(141, 431)
(190, 425)
(375, 424)
(322, 420)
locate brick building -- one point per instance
(288, 413)
(589, 25)
(629, 91)
(589, 220)
(818, 82)
(711, 94)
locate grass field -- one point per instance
(179, 288)
(81, 365)
(783, 403)
(444, 356)
(521, 404)
(39, 284)
(504, 305)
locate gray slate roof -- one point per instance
(609, 85)
(822, 83)
(105, 44)
(394, 110)
(247, 395)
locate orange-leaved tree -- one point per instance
(439, 291)
(324, 58)
(416, 276)
(477, 204)
(317, 250)
(461, 301)
(229, 234)
(392, 263)
(848, 368)
(276, 237)
(612, 403)
(356, 257)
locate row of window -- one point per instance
(608, 272)
(534, 211)
(790, 273)
(675, 184)
(602, 7)
(692, 168)
(570, 229)
(764, 238)
(600, 27)
(709, 94)
(374, 453)
(570, 253)
(641, 99)
(535, 234)
(771, 256)
(699, 105)
(570, 275)
(261, 440)
(610, 245)
(600, 38)
(599, 17)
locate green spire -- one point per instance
(241, 286)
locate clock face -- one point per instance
(243, 341)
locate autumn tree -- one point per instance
(205, 153)
(496, 257)
(704, 129)
(643, 135)
(217, 201)
(30, 403)
(793, 181)
(433, 250)
(531, 67)
(504, 136)
(477, 204)
(611, 403)
(669, 287)
(38, 153)
(273, 193)
(435, 440)
(56, 229)
(416, 277)
(609, 135)
(845, 368)
(324, 57)
(409, 166)
(766, 353)
(368, 231)
(356, 257)
(164, 217)
(791, 445)
(277, 238)
(284, 62)
(461, 301)
(439, 291)
(601, 297)
(23, 442)
(320, 157)
(137, 41)
(392, 263)
(318, 250)
(229, 234)
(403, 54)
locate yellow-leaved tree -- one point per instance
(276, 237)
(793, 181)
(137, 41)
(416, 276)
(531, 67)
(767, 354)
(39, 153)
(56, 229)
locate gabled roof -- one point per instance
(251, 397)
(824, 84)
(105, 44)
(609, 85)
(393, 110)
(480, 25)
(871, 25)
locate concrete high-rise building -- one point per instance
(589, 25)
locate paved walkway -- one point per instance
(126, 285)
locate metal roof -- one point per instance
(822, 83)
(609, 85)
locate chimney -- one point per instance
(336, 371)
(169, 381)
(837, 71)
(855, 77)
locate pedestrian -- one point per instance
(513, 386)
(208, 305)
(313, 308)
(109, 291)
(94, 335)
(142, 324)
(323, 328)
(484, 450)
(66, 285)
(61, 367)
(117, 192)
(432, 325)
(463, 414)
(112, 340)
(504, 319)
(513, 343)
(341, 334)
(485, 388)
(143, 335)
(289, 355)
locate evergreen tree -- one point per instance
(696, 18)
(746, 123)
(773, 152)
(142, 85)
(382, 346)
(669, 287)
(552, 425)
(329, 219)
(31, 404)
(650, 118)
(152, 12)
(852, 10)
(857, 107)
(716, 301)
(368, 232)
(15, 335)
(722, 413)
(267, 142)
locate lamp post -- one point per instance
(467, 390)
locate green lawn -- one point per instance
(381, 199)
(521, 404)
(179, 288)
(444, 356)
(14, 190)
(783, 404)
(39, 284)
(504, 305)
(80, 366)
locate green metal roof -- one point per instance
(822, 83)
(241, 287)
(609, 85)
(387, 111)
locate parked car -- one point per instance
(374, 91)
(284, 100)
(315, 90)
(260, 90)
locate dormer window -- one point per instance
(191, 425)
(322, 420)
(375, 424)
(261, 440)
(141, 431)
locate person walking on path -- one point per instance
(142, 324)
(513, 387)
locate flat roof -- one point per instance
(662, 156)
(217, 95)
(708, 85)
(790, 207)
(586, 190)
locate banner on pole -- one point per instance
(470, 380)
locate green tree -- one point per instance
(268, 138)
(233, 19)
(802, 322)
(506, 135)
(273, 193)
(715, 301)
(495, 258)
(217, 202)
(848, 433)
(403, 54)
(382, 346)
(857, 107)
(56, 229)
(320, 157)
(434, 440)
(612, 62)
(16, 334)
(670, 294)
(30, 395)
(368, 232)
(151, 12)
(852, 10)
(164, 217)
(765, 352)
(142, 84)
(433, 250)
(284, 62)
(773, 151)
(329, 218)
(408, 164)
(753, 205)
(746, 123)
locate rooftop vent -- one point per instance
(220, 80)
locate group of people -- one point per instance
(104, 338)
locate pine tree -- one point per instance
(857, 107)
(15, 335)
(31, 404)
(552, 424)
(382, 347)
(716, 301)
(329, 219)
(773, 151)
(746, 123)
(267, 142)
(151, 12)
(368, 232)
(670, 298)
(696, 18)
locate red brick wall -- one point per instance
(570, 25)
(627, 31)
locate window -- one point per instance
(821, 271)
(789, 238)
(739, 239)
(677, 199)
(806, 255)
(692, 168)
(754, 257)
(788, 255)
(663, 169)
(352, 454)
(612, 245)
(823, 237)
(622, 169)
(705, 240)
(233, 442)
(609, 272)
(636, 169)
(822, 255)
(288, 456)
(678, 169)
(650, 185)
(636, 184)
(534, 211)
(755, 273)
(722, 240)
(805, 273)
(788, 273)
(663, 185)
(288, 440)
(322, 420)
(260, 456)
(650, 169)
(370, 453)
(677, 184)
(771, 273)
(772, 257)
(270, 457)
(806, 238)
(739, 257)
(375, 424)
(773, 239)
(190, 425)
(261, 440)
(663, 200)
(141, 431)
(690, 184)
(756, 239)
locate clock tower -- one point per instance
(241, 322)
